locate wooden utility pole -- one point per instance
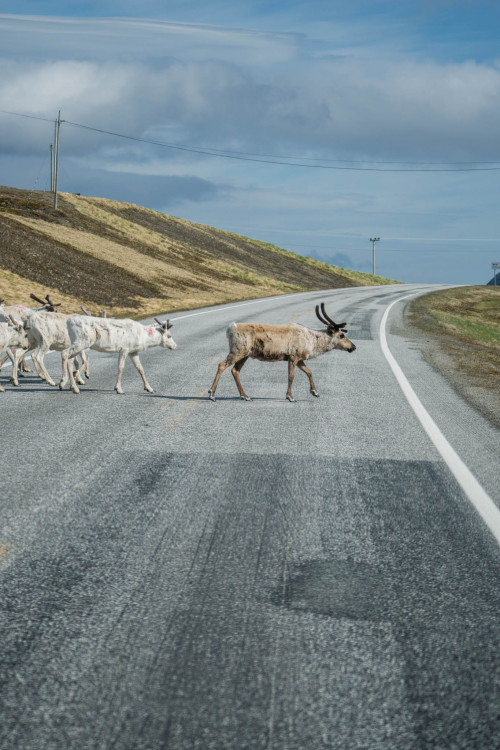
(51, 167)
(56, 156)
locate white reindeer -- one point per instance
(293, 343)
(127, 337)
(49, 331)
(12, 335)
(20, 313)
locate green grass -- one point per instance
(470, 314)
(472, 330)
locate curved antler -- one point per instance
(52, 304)
(164, 326)
(325, 322)
(37, 299)
(338, 326)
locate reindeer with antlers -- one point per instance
(21, 313)
(293, 343)
(47, 330)
(124, 336)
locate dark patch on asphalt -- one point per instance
(336, 588)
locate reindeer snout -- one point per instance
(353, 349)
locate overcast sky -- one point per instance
(383, 116)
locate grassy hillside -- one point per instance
(462, 326)
(135, 261)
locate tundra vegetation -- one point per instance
(460, 330)
(139, 263)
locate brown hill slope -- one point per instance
(135, 261)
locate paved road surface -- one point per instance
(181, 574)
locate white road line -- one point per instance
(476, 494)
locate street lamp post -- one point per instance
(373, 240)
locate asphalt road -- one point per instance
(182, 574)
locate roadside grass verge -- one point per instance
(461, 327)
(471, 314)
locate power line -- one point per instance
(30, 117)
(279, 160)
(274, 160)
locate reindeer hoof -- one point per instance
(315, 393)
(76, 390)
(149, 390)
(245, 398)
(211, 396)
(290, 398)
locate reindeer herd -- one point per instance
(36, 330)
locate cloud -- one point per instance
(39, 37)
(331, 108)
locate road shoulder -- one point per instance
(460, 363)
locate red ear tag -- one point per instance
(151, 330)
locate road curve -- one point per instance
(182, 574)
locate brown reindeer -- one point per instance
(293, 343)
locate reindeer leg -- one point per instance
(228, 362)
(121, 364)
(64, 377)
(37, 356)
(291, 375)
(140, 369)
(15, 366)
(309, 374)
(24, 366)
(77, 369)
(86, 359)
(236, 375)
(70, 354)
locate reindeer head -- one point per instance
(166, 337)
(21, 338)
(337, 331)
